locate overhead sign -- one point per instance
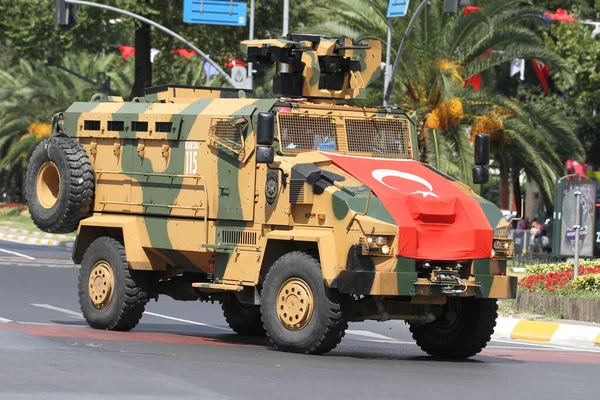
(215, 12)
(397, 8)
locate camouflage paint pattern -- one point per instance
(177, 179)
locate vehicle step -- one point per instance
(217, 287)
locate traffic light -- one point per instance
(64, 14)
(452, 6)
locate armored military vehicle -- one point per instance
(297, 214)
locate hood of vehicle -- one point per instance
(436, 219)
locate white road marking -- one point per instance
(14, 253)
(72, 314)
(5, 320)
(371, 335)
(554, 347)
(186, 321)
(36, 265)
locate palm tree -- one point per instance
(32, 92)
(441, 53)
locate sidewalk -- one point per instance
(36, 238)
(566, 333)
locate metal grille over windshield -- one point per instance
(368, 137)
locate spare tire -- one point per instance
(60, 185)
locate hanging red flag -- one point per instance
(234, 62)
(127, 51)
(184, 52)
(543, 72)
(471, 9)
(475, 80)
(560, 15)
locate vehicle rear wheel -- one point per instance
(244, 319)
(300, 314)
(462, 331)
(111, 295)
(59, 185)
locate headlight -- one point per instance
(502, 232)
(374, 245)
(500, 245)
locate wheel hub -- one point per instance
(295, 304)
(48, 185)
(101, 284)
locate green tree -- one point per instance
(441, 52)
(102, 31)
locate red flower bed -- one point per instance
(554, 281)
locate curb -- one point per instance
(39, 239)
(547, 332)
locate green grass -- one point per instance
(20, 221)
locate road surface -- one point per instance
(184, 350)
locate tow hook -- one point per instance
(451, 279)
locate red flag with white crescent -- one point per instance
(437, 219)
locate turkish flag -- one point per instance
(470, 9)
(127, 51)
(437, 219)
(543, 72)
(561, 15)
(184, 52)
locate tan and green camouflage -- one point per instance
(177, 179)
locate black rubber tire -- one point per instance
(244, 319)
(75, 198)
(329, 320)
(130, 293)
(466, 337)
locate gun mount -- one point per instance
(318, 66)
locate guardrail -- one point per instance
(531, 248)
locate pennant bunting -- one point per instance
(517, 66)
(470, 9)
(127, 51)
(542, 71)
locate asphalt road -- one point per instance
(185, 350)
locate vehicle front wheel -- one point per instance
(462, 331)
(300, 314)
(111, 295)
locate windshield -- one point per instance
(367, 137)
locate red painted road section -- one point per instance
(88, 333)
(526, 355)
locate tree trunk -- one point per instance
(504, 188)
(516, 188)
(143, 66)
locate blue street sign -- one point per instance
(215, 12)
(397, 8)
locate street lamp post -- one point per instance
(162, 28)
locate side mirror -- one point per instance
(482, 149)
(265, 131)
(481, 175)
(265, 155)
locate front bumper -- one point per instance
(408, 284)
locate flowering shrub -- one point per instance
(561, 281)
(590, 282)
(537, 269)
